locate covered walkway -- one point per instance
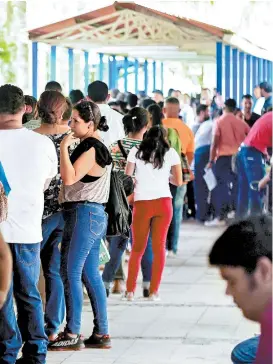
(146, 38)
(194, 323)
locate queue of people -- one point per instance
(58, 156)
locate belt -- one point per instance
(71, 204)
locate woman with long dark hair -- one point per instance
(155, 165)
(85, 190)
(135, 126)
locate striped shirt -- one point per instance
(118, 159)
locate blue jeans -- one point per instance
(178, 194)
(51, 261)
(246, 351)
(251, 168)
(223, 195)
(85, 226)
(117, 246)
(29, 327)
(201, 191)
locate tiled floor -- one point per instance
(193, 323)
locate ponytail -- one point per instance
(155, 114)
(102, 126)
(135, 120)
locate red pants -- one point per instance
(155, 215)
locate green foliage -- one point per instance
(8, 49)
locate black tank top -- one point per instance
(103, 156)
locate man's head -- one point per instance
(230, 106)
(257, 92)
(158, 96)
(114, 93)
(266, 89)
(247, 103)
(171, 108)
(98, 92)
(186, 99)
(244, 256)
(53, 86)
(132, 100)
(177, 94)
(12, 107)
(31, 112)
(203, 113)
(68, 112)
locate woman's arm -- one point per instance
(5, 270)
(72, 173)
(176, 176)
(130, 169)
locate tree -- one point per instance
(8, 48)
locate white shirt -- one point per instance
(29, 160)
(153, 183)
(259, 105)
(114, 121)
(203, 135)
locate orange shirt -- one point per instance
(185, 134)
(231, 132)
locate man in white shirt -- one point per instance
(98, 92)
(30, 162)
(259, 101)
(203, 139)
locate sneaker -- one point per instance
(66, 343)
(215, 223)
(96, 342)
(146, 292)
(172, 254)
(154, 297)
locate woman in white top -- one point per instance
(155, 165)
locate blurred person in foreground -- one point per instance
(243, 254)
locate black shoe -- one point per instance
(107, 292)
(146, 292)
(64, 342)
(96, 342)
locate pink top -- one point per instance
(231, 132)
(264, 354)
(260, 136)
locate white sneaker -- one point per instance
(128, 296)
(215, 223)
(154, 297)
(172, 255)
(231, 215)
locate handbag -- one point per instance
(117, 207)
(4, 191)
(104, 253)
(186, 171)
(128, 182)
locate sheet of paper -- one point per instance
(210, 179)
